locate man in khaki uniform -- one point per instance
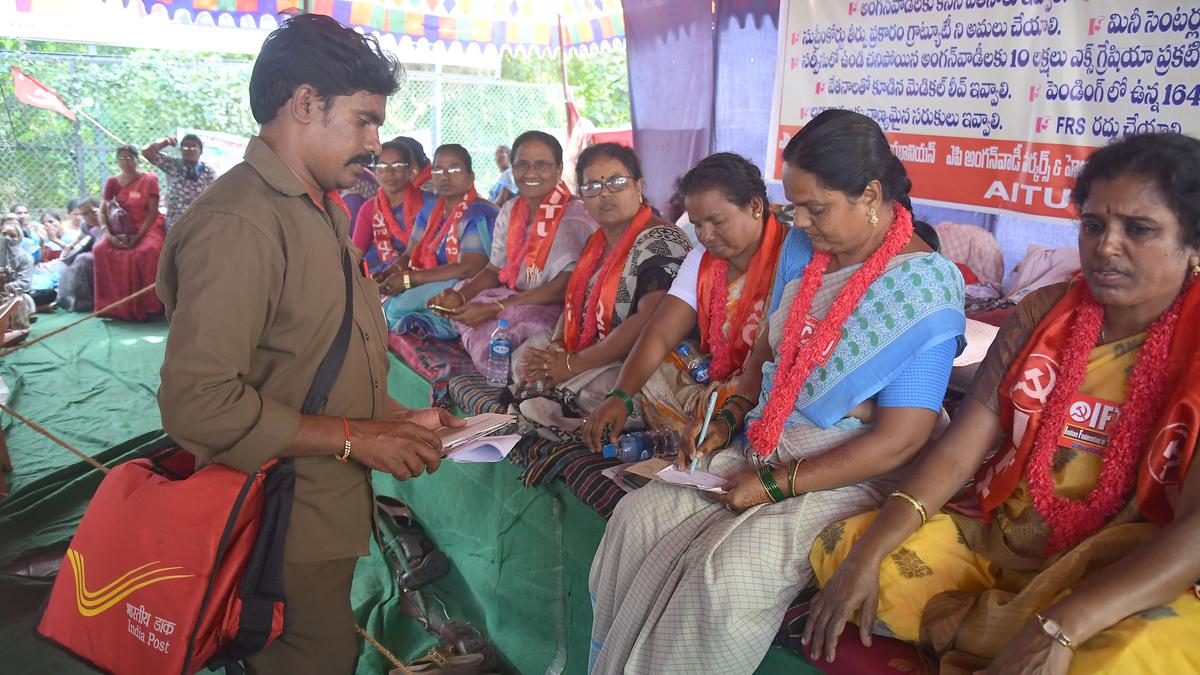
(251, 277)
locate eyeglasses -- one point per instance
(614, 184)
(540, 166)
(385, 166)
(448, 171)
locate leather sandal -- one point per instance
(444, 662)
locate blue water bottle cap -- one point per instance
(502, 323)
(682, 349)
(609, 450)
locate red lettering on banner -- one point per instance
(853, 8)
(1033, 178)
(1043, 123)
(1096, 25)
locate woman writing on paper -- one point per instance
(721, 290)
(861, 308)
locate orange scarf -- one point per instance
(750, 306)
(384, 227)
(438, 229)
(584, 325)
(1026, 388)
(528, 245)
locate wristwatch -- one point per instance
(1054, 631)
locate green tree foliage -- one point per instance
(599, 82)
(143, 94)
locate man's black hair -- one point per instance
(316, 50)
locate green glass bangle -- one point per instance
(624, 397)
(767, 476)
(727, 417)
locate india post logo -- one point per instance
(94, 602)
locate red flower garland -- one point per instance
(721, 346)
(797, 359)
(1071, 521)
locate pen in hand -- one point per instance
(712, 403)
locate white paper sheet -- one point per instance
(701, 480)
(484, 450)
(477, 428)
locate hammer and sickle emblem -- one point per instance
(1034, 386)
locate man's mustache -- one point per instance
(362, 160)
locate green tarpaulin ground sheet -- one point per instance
(520, 557)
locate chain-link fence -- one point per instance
(45, 159)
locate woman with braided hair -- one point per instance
(1077, 548)
(860, 309)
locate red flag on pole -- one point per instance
(31, 92)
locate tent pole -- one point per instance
(562, 64)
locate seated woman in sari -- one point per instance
(450, 242)
(1079, 544)
(622, 276)
(721, 290)
(126, 257)
(384, 225)
(861, 309)
(526, 278)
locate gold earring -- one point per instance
(874, 217)
(1196, 269)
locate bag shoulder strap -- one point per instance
(331, 365)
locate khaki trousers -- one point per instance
(320, 637)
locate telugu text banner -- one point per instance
(992, 104)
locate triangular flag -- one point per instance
(31, 92)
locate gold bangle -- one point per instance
(914, 502)
(792, 476)
(499, 304)
(569, 368)
(406, 281)
(461, 298)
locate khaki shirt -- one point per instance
(251, 277)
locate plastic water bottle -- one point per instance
(499, 355)
(640, 445)
(697, 364)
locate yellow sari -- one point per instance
(963, 588)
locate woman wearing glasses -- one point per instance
(721, 293)
(385, 223)
(623, 274)
(861, 308)
(126, 257)
(538, 238)
(450, 242)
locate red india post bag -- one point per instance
(173, 570)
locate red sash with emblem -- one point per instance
(439, 229)
(1027, 386)
(384, 227)
(528, 246)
